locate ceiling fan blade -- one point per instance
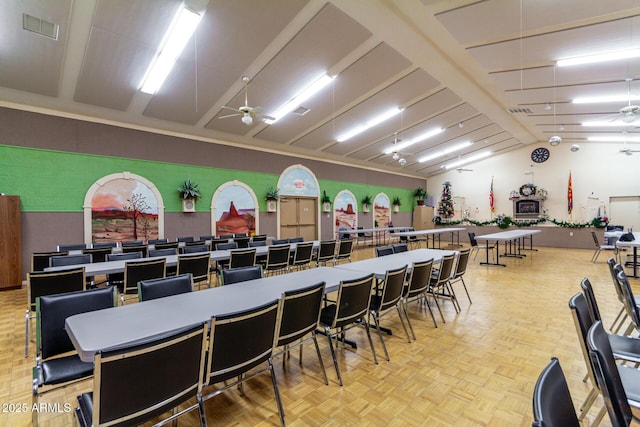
(229, 108)
(229, 115)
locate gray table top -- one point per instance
(505, 236)
(380, 265)
(430, 231)
(99, 330)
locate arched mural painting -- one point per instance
(123, 207)
(345, 211)
(382, 210)
(234, 209)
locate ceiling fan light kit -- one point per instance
(555, 140)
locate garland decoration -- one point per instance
(504, 221)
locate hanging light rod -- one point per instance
(316, 86)
(614, 138)
(448, 150)
(428, 134)
(369, 124)
(468, 159)
(180, 31)
(600, 57)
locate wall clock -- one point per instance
(540, 155)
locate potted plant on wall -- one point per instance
(272, 198)
(366, 203)
(420, 193)
(189, 193)
(396, 204)
(326, 202)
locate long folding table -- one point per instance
(513, 244)
(632, 244)
(434, 233)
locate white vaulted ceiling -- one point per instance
(445, 63)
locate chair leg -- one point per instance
(377, 322)
(373, 350)
(406, 313)
(435, 299)
(324, 372)
(402, 321)
(333, 356)
(465, 289)
(203, 417)
(588, 402)
(620, 318)
(26, 334)
(277, 393)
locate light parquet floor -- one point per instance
(477, 369)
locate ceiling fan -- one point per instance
(629, 113)
(628, 151)
(247, 112)
(396, 154)
(460, 170)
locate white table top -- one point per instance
(99, 330)
(633, 244)
(111, 267)
(369, 230)
(380, 265)
(505, 236)
(423, 232)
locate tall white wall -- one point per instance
(598, 171)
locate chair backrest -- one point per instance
(196, 243)
(72, 247)
(75, 259)
(194, 249)
(256, 243)
(295, 240)
(209, 237)
(472, 239)
(608, 377)
(98, 254)
(41, 283)
(104, 245)
(446, 266)
(384, 251)
(280, 241)
(583, 322)
(236, 275)
(461, 265)
(632, 309)
(595, 239)
(352, 302)
(166, 245)
(136, 248)
(344, 249)
(226, 246)
(255, 329)
(590, 297)
(162, 252)
(242, 242)
(136, 383)
(216, 241)
(552, 403)
(124, 256)
(300, 313)
(156, 241)
(197, 265)
(392, 288)
(164, 287)
(278, 256)
(236, 235)
(226, 236)
(259, 238)
(611, 262)
(135, 271)
(326, 251)
(132, 243)
(303, 253)
(52, 338)
(419, 278)
(400, 247)
(40, 260)
(185, 239)
(242, 258)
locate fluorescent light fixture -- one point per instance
(180, 31)
(448, 150)
(469, 159)
(315, 87)
(614, 138)
(613, 123)
(600, 57)
(605, 99)
(371, 123)
(428, 134)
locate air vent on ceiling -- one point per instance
(301, 111)
(518, 110)
(40, 26)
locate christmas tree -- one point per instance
(445, 206)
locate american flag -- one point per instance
(491, 199)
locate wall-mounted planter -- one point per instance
(188, 205)
(272, 205)
(365, 208)
(326, 207)
(396, 208)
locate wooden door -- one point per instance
(10, 243)
(299, 218)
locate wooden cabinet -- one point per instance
(10, 243)
(423, 217)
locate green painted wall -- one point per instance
(56, 181)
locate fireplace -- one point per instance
(527, 207)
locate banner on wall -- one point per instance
(492, 207)
(570, 195)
